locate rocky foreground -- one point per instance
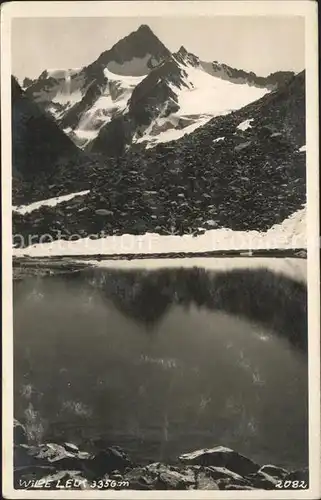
(59, 466)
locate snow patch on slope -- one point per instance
(291, 233)
(292, 229)
(245, 125)
(125, 80)
(67, 98)
(113, 101)
(201, 98)
(171, 134)
(51, 202)
(208, 94)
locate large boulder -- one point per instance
(172, 480)
(274, 471)
(205, 482)
(158, 476)
(223, 473)
(221, 457)
(262, 480)
(110, 459)
(51, 455)
(38, 460)
(140, 478)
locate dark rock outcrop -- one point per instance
(27, 82)
(138, 44)
(38, 144)
(221, 457)
(272, 81)
(274, 471)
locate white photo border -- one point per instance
(181, 9)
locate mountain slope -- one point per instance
(244, 171)
(179, 96)
(38, 142)
(174, 99)
(138, 92)
(82, 100)
(40, 150)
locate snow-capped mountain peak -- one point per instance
(139, 92)
(134, 55)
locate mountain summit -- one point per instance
(134, 55)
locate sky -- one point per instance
(253, 43)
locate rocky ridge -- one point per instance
(64, 465)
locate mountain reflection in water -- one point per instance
(166, 361)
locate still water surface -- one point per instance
(160, 366)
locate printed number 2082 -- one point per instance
(291, 484)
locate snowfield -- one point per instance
(171, 134)
(291, 233)
(113, 101)
(205, 97)
(126, 81)
(51, 202)
(208, 94)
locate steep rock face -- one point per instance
(27, 82)
(42, 153)
(134, 55)
(155, 90)
(85, 99)
(150, 98)
(38, 144)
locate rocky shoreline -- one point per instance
(53, 466)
